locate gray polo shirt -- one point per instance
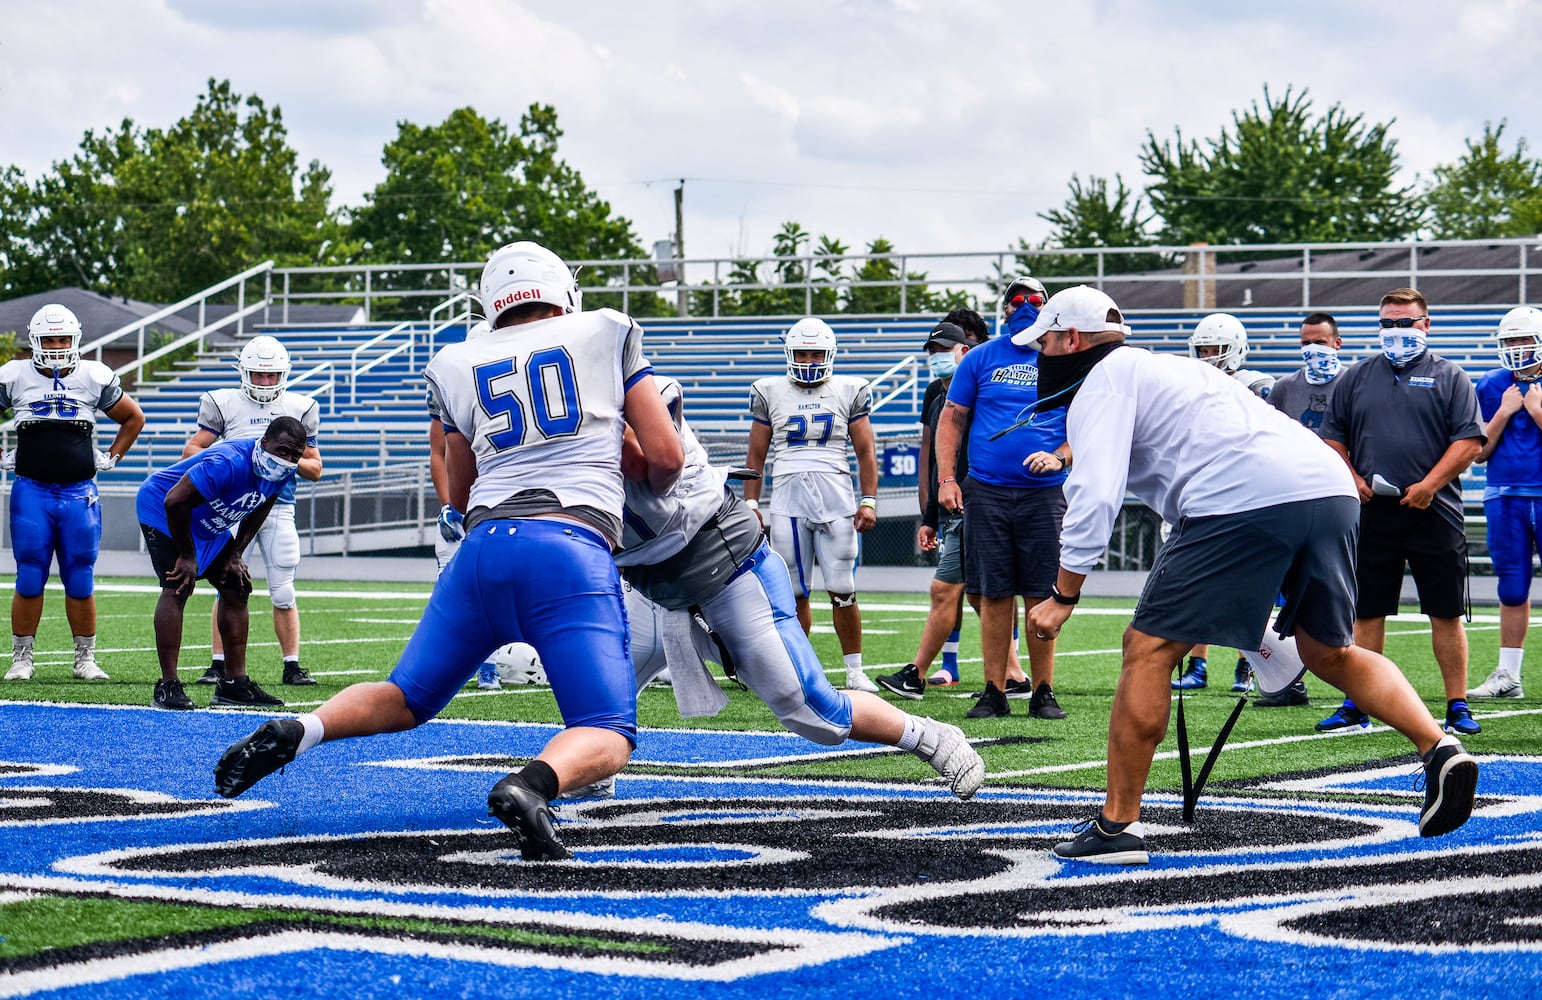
(1399, 422)
(1302, 401)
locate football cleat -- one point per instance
(212, 674)
(242, 691)
(243, 764)
(522, 810)
(1043, 704)
(1193, 679)
(1500, 684)
(1459, 719)
(297, 676)
(856, 680)
(171, 695)
(21, 665)
(948, 751)
(1449, 781)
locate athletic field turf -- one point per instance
(736, 856)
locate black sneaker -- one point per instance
(1292, 697)
(907, 683)
(243, 764)
(993, 702)
(1450, 781)
(529, 816)
(297, 676)
(1043, 704)
(172, 695)
(1127, 847)
(242, 691)
(212, 674)
(1019, 689)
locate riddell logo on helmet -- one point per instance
(527, 295)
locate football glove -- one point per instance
(452, 526)
(8, 460)
(105, 462)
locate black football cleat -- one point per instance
(529, 815)
(243, 764)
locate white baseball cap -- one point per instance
(1083, 307)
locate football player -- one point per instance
(698, 548)
(242, 414)
(809, 421)
(533, 420)
(1221, 340)
(54, 505)
(1511, 401)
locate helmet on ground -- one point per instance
(810, 334)
(263, 354)
(519, 663)
(1225, 331)
(523, 272)
(1520, 338)
(54, 320)
(1023, 289)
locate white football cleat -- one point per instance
(857, 680)
(947, 749)
(21, 665)
(85, 663)
(1500, 684)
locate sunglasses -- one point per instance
(1016, 301)
(1402, 324)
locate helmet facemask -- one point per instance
(810, 336)
(49, 322)
(263, 354)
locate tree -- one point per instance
(158, 214)
(458, 190)
(1487, 193)
(885, 299)
(1094, 217)
(802, 283)
(1279, 174)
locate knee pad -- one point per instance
(816, 730)
(79, 580)
(1514, 588)
(843, 600)
(282, 594)
(31, 577)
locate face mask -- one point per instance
(1023, 318)
(1402, 346)
(270, 467)
(941, 364)
(1322, 363)
(1061, 376)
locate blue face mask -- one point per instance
(270, 467)
(1322, 363)
(1023, 318)
(941, 364)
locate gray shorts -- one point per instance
(950, 550)
(1218, 577)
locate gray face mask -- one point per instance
(270, 467)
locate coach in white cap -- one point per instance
(1204, 453)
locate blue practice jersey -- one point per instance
(999, 382)
(224, 477)
(1515, 467)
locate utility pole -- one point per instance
(684, 304)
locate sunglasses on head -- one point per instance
(1402, 323)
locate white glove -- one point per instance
(451, 524)
(104, 461)
(8, 461)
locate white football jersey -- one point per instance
(38, 395)
(232, 415)
(656, 527)
(1258, 383)
(541, 404)
(811, 442)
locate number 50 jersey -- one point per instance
(541, 405)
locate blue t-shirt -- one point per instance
(1515, 467)
(999, 382)
(231, 488)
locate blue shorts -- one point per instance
(49, 519)
(544, 582)
(1512, 538)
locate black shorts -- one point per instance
(1218, 577)
(1429, 544)
(1011, 539)
(163, 551)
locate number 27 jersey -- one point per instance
(541, 404)
(811, 442)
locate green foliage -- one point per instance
(1487, 193)
(11, 346)
(1281, 174)
(156, 214)
(1092, 216)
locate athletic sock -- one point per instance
(314, 732)
(911, 737)
(540, 778)
(217, 661)
(291, 663)
(1510, 660)
(853, 661)
(1108, 826)
(21, 642)
(86, 642)
(950, 653)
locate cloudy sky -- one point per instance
(943, 126)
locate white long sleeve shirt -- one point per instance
(1187, 440)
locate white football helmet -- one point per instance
(519, 663)
(54, 321)
(810, 334)
(263, 354)
(523, 272)
(1520, 338)
(1225, 331)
